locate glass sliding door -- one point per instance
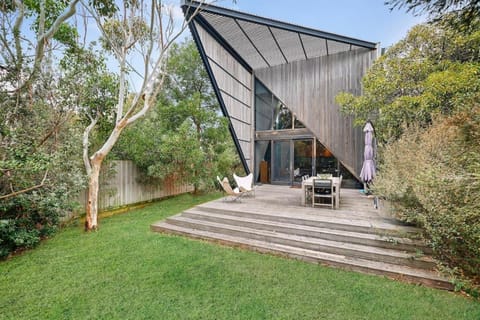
(263, 160)
(302, 159)
(281, 162)
(325, 162)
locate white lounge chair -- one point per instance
(245, 184)
(234, 194)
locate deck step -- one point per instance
(351, 223)
(354, 237)
(415, 275)
(305, 242)
(368, 239)
(354, 214)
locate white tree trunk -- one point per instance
(91, 221)
(162, 35)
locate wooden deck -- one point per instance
(355, 237)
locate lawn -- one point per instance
(125, 271)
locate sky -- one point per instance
(368, 20)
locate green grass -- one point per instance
(125, 271)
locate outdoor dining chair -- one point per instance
(308, 189)
(323, 193)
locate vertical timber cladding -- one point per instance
(308, 88)
(235, 86)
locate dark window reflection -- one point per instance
(298, 124)
(283, 117)
(271, 113)
(263, 107)
(325, 161)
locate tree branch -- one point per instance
(155, 80)
(43, 38)
(16, 193)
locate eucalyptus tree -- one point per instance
(138, 34)
(184, 138)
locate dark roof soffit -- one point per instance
(274, 23)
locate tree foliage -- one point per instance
(460, 13)
(184, 138)
(434, 70)
(432, 178)
(40, 172)
(422, 96)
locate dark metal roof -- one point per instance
(263, 42)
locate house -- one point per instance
(276, 82)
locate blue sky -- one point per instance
(367, 20)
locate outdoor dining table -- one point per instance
(308, 183)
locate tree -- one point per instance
(18, 75)
(461, 12)
(39, 174)
(432, 70)
(423, 97)
(184, 138)
(139, 30)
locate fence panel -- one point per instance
(124, 187)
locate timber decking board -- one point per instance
(371, 239)
(355, 237)
(429, 278)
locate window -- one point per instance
(271, 113)
(283, 117)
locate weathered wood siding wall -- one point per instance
(235, 84)
(124, 187)
(308, 88)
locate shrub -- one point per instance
(28, 218)
(432, 178)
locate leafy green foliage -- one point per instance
(423, 97)
(91, 89)
(123, 34)
(66, 34)
(463, 12)
(434, 70)
(432, 178)
(39, 154)
(105, 8)
(40, 140)
(184, 138)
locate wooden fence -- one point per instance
(124, 187)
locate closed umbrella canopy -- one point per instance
(368, 169)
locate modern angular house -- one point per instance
(276, 82)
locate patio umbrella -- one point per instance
(368, 169)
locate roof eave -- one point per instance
(275, 23)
